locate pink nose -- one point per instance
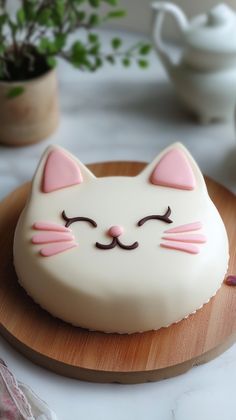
(115, 231)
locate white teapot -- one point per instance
(205, 73)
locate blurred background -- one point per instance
(139, 13)
(139, 19)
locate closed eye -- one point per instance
(164, 218)
(70, 220)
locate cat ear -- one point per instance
(174, 168)
(58, 169)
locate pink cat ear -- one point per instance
(174, 171)
(60, 172)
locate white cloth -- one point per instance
(18, 401)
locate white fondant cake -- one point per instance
(120, 254)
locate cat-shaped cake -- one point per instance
(120, 254)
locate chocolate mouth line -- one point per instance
(116, 242)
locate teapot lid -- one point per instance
(213, 32)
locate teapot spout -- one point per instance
(160, 9)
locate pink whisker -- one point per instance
(189, 227)
(190, 238)
(54, 249)
(50, 226)
(185, 247)
(47, 237)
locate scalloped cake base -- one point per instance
(101, 357)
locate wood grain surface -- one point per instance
(103, 357)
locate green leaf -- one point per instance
(94, 20)
(116, 14)
(30, 10)
(48, 46)
(126, 62)
(20, 17)
(57, 11)
(81, 16)
(116, 43)
(59, 41)
(60, 7)
(52, 62)
(79, 2)
(94, 50)
(78, 54)
(111, 2)
(72, 19)
(110, 59)
(94, 3)
(44, 17)
(78, 48)
(15, 91)
(143, 64)
(145, 49)
(2, 49)
(98, 62)
(93, 38)
(3, 19)
(89, 66)
(44, 45)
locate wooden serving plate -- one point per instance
(100, 357)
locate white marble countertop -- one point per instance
(131, 114)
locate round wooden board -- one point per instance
(103, 357)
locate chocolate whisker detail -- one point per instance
(128, 247)
(109, 246)
(164, 218)
(70, 220)
(116, 242)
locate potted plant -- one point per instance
(31, 40)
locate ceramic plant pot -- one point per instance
(32, 115)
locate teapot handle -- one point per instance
(160, 9)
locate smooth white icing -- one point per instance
(117, 290)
